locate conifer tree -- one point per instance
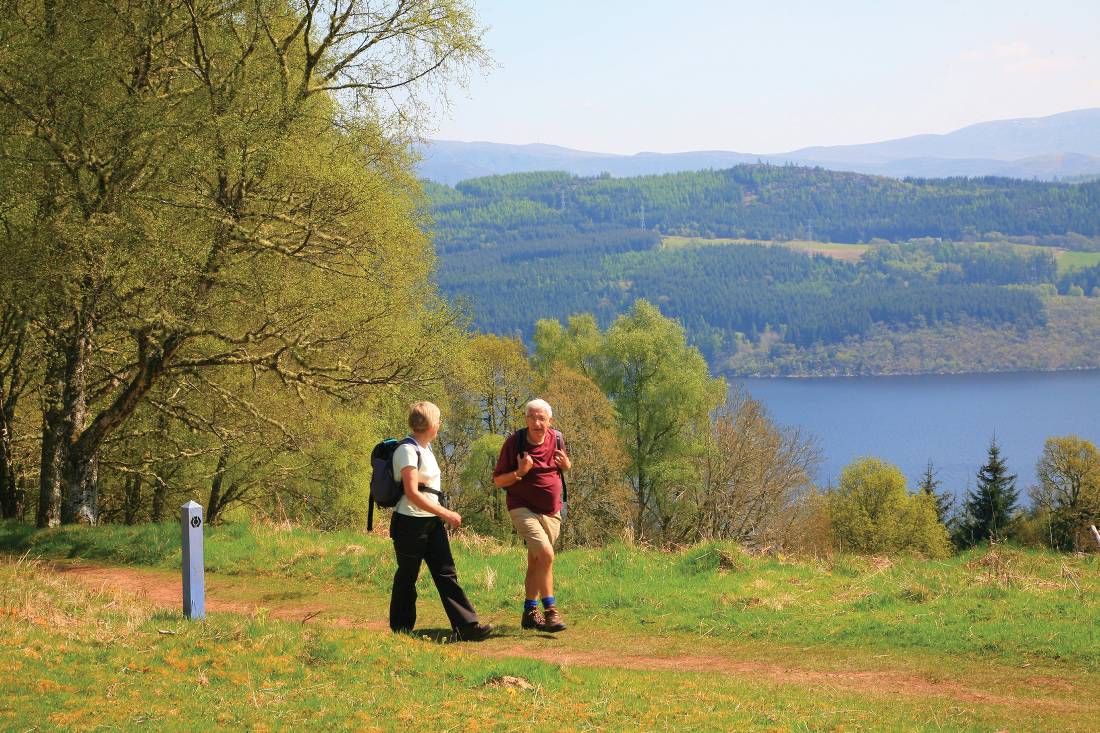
(944, 501)
(989, 507)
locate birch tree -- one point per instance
(217, 185)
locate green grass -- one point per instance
(1075, 260)
(847, 252)
(81, 659)
(704, 638)
(977, 603)
(686, 242)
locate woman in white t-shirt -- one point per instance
(418, 532)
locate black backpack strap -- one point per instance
(419, 463)
(521, 441)
(559, 442)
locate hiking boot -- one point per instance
(553, 620)
(532, 619)
(474, 632)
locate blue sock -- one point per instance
(547, 601)
(530, 604)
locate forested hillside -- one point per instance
(526, 246)
(771, 202)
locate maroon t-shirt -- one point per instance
(540, 489)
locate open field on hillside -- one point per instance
(705, 638)
(846, 252)
(1075, 260)
(1067, 260)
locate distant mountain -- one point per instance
(1059, 146)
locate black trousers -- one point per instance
(425, 538)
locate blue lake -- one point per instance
(948, 419)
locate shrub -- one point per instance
(871, 511)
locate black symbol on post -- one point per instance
(195, 521)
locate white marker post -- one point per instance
(1095, 534)
(194, 591)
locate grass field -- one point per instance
(1066, 259)
(1075, 260)
(708, 638)
(846, 252)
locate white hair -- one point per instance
(538, 404)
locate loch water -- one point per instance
(948, 419)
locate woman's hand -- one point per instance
(453, 519)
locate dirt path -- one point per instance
(1014, 687)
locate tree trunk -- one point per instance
(216, 502)
(81, 467)
(132, 499)
(8, 487)
(13, 332)
(160, 493)
(81, 482)
(53, 445)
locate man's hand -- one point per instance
(525, 464)
(561, 460)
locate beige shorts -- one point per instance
(536, 529)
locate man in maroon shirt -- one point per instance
(530, 469)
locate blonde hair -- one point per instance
(422, 416)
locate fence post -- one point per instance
(194, 591)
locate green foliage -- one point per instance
(576, 241)
(479, 500)
(1079, 282)
(662, 392)
(213, 252)
(988, 509)
(1068, 492)
(872, 511)
(773, 202)
(599, 494)
(944, 501)
(963, 262)
(1070, 340)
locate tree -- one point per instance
(14, 381)
(579, 344)
(502, 381)
(479, 500)
(872, 511)
(944, 502)
(486, 386)
(752, 475)
(988, 510)
(599, 495)
(217, 185)
(1069, 487)
(662, 392)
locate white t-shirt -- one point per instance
(405, 455)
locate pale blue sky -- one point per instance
(623, 77)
